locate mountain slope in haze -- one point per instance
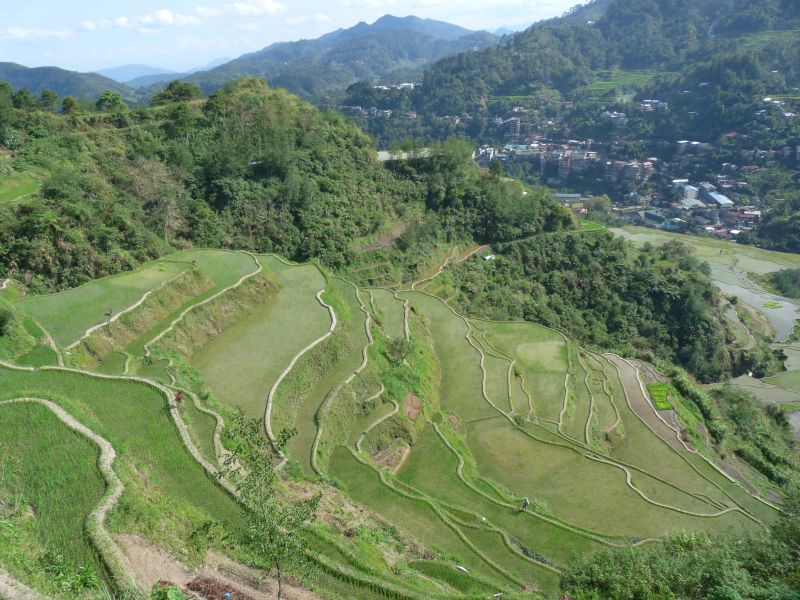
(669, 35)
(391, 47)
(580, 14)
(61, 81)
(154, 79)
(126, 73)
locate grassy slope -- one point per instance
(133, 417)
(244, 361)
(17, 186)
(87, 305)
(53, 470)
(300, 446)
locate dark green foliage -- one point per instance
(399, 349)
(660, 301)
(176, 91)
(780, 230)
(60, 81)
(759, 436)
(761, 567)
(110, 101)
(632, 34)
(6, 321)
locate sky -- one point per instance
(87, 35)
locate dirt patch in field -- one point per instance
(455, 423)
(387, 240)
(151, 565)
(413, 407)
(394, 456)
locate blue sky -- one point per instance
(87, 35)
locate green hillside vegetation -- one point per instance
(436, 438)
(630, 35)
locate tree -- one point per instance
(70, 106)
(6, 321)
(399, 349)
(48, 100)
(110, 102)
(274, 523)
(176, 91)
(24, 100)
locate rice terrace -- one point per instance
(457, 457)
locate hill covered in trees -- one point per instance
(670, 35)
(61, 81)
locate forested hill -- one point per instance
(61, 81)
(392, 49)
(671, 35)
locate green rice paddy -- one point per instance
(505, 411)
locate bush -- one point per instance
(6, 321)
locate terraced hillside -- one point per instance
(457, 458)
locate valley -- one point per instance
(503, 426)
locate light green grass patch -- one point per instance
(364, 486)
(169, 493)
(354, 333)
(17, 186)
(67, 315)
(241, 364)
(460, 362)
(51, 472)
(659, 393)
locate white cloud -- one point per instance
(244, 8)
(249, 26)
(165, 17)
(317, 18)
(22, 33)
(89, 25)
(206, 11)
(255, 8)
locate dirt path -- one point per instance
(387, 240)
(14, 590)
(438, 272)
(151, 564)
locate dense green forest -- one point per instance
(599, 291)
(632, 34)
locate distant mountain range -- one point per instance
(62, 82)
(145, 80)
(392, 49)
(126, 73)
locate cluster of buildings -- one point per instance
(397, 86)
(569, 159)
(370, 113)
(700, 207)
(649, 106)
